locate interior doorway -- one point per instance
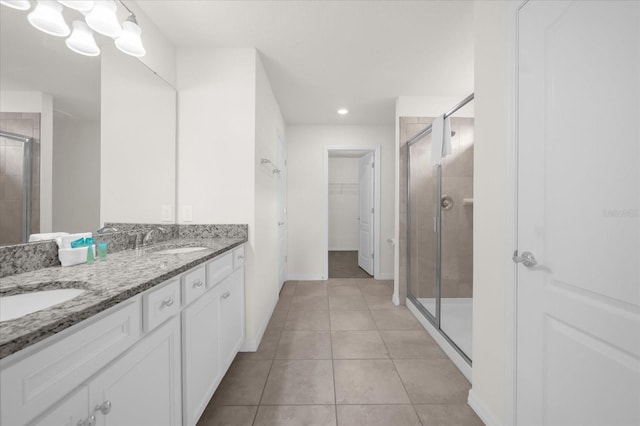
(352, 212)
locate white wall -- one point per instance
(76, 175)
(13, 101)
(305, 144)
(138, 143)
(344, 203)
(489, 243)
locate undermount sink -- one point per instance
(180, 250)
(18, 305)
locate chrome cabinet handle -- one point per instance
(240, 256)
(280, 223)
(226, 295)
(167, 303)
(527, 258)
(197, 284)
(89, 421)
(104, 408)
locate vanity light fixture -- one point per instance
(47, 17)
(343, 111)
(102, 18)
(129, 41)
(81, 5)
(17, 4)
(81, 40)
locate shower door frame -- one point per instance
(434, 319)
(26, 179)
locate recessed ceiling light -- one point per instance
(343, 111)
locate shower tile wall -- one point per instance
(11, 164)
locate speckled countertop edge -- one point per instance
(122, 276)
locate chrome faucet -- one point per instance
(106, 229)
(149, 234)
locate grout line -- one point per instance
(333, 366)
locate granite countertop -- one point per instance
(123, 275)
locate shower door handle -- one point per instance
(527, 258)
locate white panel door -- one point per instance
(578, 309)
(365, 246)
(282, 213)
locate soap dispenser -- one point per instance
(90, 255)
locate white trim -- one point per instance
(251, 345)
(510, 289)
(376, 212)
(305, 277)
(481, 410)
(453, 355)
(343, 249)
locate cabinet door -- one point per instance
(143, 387)
(201, 362)
(231, 293)
(68, 412)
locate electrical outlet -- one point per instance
(166, 213)
(187, 213)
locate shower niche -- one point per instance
(439, 226)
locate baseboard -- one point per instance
(395, 299)
(385, 276)
(305, 277)
(251, 345)
(453, 355)
(343, 249)
(481, 410)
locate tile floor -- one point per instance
(338, 352)
(344, 264)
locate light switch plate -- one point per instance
(187, 213)
(166, 213)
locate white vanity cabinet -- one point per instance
(155, 359)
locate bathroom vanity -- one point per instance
(147, 343)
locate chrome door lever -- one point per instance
(527, 258)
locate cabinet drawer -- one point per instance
(193, 285)
(238, 257)
(219, 269)
(35, 383)
(161, 304)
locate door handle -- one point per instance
(280, 223)
(527, 258)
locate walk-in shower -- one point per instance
(440, 228)
(19, 177)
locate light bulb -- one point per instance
(17, 4)
(81, 5)
(81, 40)
(47, 17)
(102, 18)
(129, 41)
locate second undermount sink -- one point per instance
(15, 306)
(180, 250)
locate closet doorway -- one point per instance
(352, 206)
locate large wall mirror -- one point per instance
(85, 140)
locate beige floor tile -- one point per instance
(379, 302)
(296, 415)
(309, 303)
(311, 288)
(433, 381)
(377, 415)
(358, 345)
(411, 344)
(276, 323)
(347, 303)
(352, 320)
(307, 320)
(344, 290)
(372, 381)
(284, 302)
(296, 382)
(267, 348)
(448, 415)
(220, 415)
(376, 288)
(336, 282)
(304, 345)
(288, 288)
(243, 383)
(396, 319)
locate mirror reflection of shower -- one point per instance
(440, 227)
(19, 176)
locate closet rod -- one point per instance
(449, 113)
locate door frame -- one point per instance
(511, 217)
(375, 149)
